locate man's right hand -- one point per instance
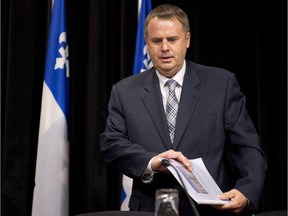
(170, 154)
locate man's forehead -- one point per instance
(167, 27)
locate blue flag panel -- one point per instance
(142, 60)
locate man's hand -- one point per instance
(170, 154)
(238, 202)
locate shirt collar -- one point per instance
(179, 77)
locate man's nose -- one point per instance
(165, 45)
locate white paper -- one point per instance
(199, 183)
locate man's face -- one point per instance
(167, 44)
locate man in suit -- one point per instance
(211, 122)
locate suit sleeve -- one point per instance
(116, 148)
(249, 161)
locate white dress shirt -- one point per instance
(148, 175)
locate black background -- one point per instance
(248, 38)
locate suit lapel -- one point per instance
(153, 101)
(188, 102)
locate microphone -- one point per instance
(165, 162)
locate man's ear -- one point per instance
(188, 36)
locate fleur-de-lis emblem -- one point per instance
(63, 50)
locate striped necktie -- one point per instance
(171, 108)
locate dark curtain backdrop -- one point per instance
(248, 38)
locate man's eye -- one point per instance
(172, 39)
(156, 41)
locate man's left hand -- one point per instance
(238, 202)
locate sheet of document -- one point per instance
(199, 183)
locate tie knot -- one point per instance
(171, 84)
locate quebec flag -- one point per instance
(142, 62)
(142, 59)
(51, 193)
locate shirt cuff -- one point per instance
(148, 175)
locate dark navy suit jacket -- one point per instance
(212, 123)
